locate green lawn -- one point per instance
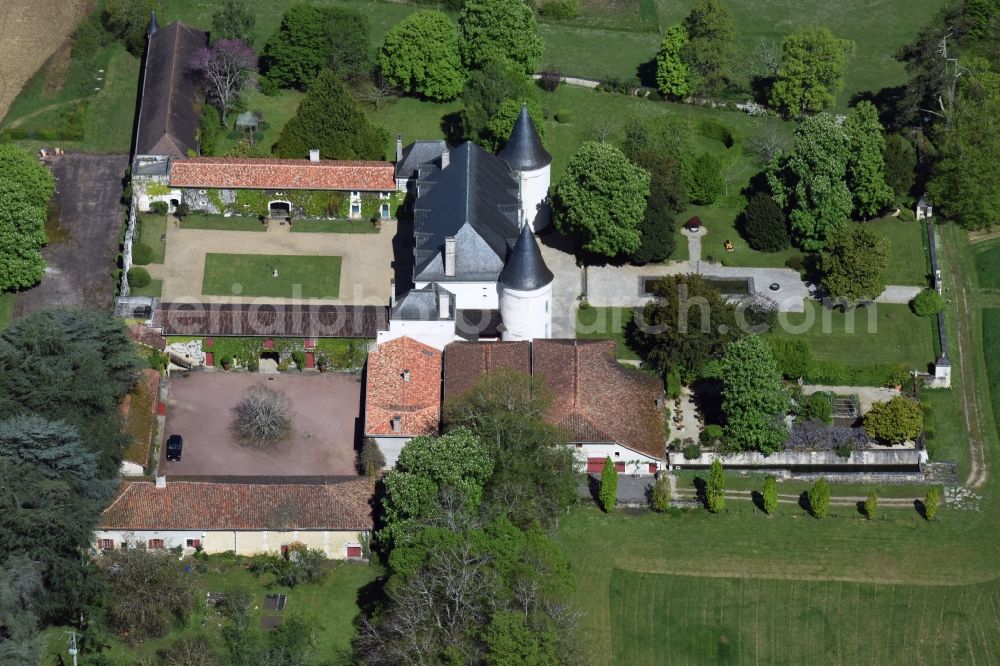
(154, 288)
(884, 333)
(698, 620)
(276, 111)
(335, 227)
(909, 262)
(988, 265)
(739, 480)
(252, 275)
(330, 607)
(603, 324)
(221, 222)
(154, 229)
(720, 225)
(991, 349)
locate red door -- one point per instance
(652, 468)
(354, 551)
(595, 465)
(619, 467)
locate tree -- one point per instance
(687, 325)
(21, 643)
(127, 20)
(896, 421)
(501, 31)
(715, 492)
(225, 68)
(25, 190)
(819, 498)
(328, 118)
(854, 264)
(865, 164)
(809, 182)
(608, 494)
(706, 184)
(420, 55)
(900, 167)
(511, 641)
(753, 399)
(147, 592)
(811, 72)
(310, 39)
(710, 31)
(770, 495)
(501, 124)
(658, 230)
(263, 417)
(672, 76)
(764, 224)
(370, 459)
(659, 496)
(931, 502)
(871, 504)
(233, 21)
(485, 90)
(927, 303)
(208, 137)
(601, 198)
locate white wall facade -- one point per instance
(436, 333)
(636, 463)
(333, 543)
(390, 447)
(526, 314)
(534, 192)
(470, 295)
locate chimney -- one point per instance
(445, 157)
(449, 256)
(314, 155)
(406, 375)
(399, 148)
(161, 482)
(444, 305)
(397, 424)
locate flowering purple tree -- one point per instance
(225, 68)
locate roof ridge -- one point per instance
(173, 67)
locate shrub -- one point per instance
(715, 493)
(770, 495)
(931, 502)
(706, 183)
(299, 358)
(712, 434)
(870, 505)
(896, 421)
(796, 263)
(159, 207)
(138, 277)
(794, 357)
(564, 116)
(692, 451)
(182, 210)
(907, 214)
(263, 417)
(927, 303)
(142, 254)
(209, 130)
(818, 407)
(659, 496)
(819, 498)
(713, 129)
(608, 494)
(560, 9)
(549, 80)
(764, 224)
(370, 459)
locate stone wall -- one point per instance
(897, 458)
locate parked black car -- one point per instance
(174, 445)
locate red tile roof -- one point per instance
(597, 400)
(416, 400)
(466, 362)
(282, 174)
(339, 504)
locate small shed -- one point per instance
(247, 122)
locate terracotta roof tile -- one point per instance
(282, 174)
(339, 504)
(466, 362)
(415, 397)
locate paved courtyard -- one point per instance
(365, 274)
(326, 412)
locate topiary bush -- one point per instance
(564, 116)
(142, 254)
(927, 303)
(138, 277)
(159, 207)
(819, 498)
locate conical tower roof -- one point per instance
(525, 269)
(153, 25)
(524, 150)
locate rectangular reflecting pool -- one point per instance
(727, 286)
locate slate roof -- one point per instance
(418, 154)
(475, 324)
(312, 321)
(422, 304)
(475, 200)
(524, 150)
(168, 112)
(341, 503)
(525, 269)
(404, 380)
(466, 362)
(282, 174)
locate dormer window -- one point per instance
(397, 424)
(406, 375)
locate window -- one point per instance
(354, 551)
(652, 468)
(617, 454)
(355, 210)
(105, 544)
(355, 195)
(384, 195)
(155, 543)
(385, 211)
(194, 543)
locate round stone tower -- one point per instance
(525, 285)
(527, 157)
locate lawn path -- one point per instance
(44, 109)
(784, 498)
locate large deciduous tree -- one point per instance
(232, 20)
(866, 164)
(900, 167)
(710, 31)
(673, 78)
(753, 399)
(809, 182)
(485, 91)
(688, 324)
(811, 72)
(896, 421)
(502, 31)
(263, 417)
(420, 55)
(225, 68)
(25, 190)
(854, 264)
(601, 199)
(329, 119)
(128, 19)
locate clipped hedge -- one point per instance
(142, 254)
(138, 277)
(560, 9)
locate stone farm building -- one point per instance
(248, 516)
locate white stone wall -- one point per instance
(471, 295)
(437, 333)
(635, 462)
(333, 543)
(526, 314)
(390, 447)
(534, 194)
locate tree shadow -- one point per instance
(701, 490)
(453, 127)
(646, 73)
(760, 87)
(921, 508)
(758, 499)
(594, 486)
(860, 506)
(707, 395)
(371, 595)
(804, 502)
(887, 100)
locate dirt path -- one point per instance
(44, 109)
(839, 500)
(30, 32)
(963, 354)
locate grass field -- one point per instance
(604, 323)
(298, 276)
(335, 227)
(909, 262)
(660, 618)
(276, 111)
(154, 288)
(154, 229)
(221, 223)
(884, 333)
(991, 349)
(988, 265)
